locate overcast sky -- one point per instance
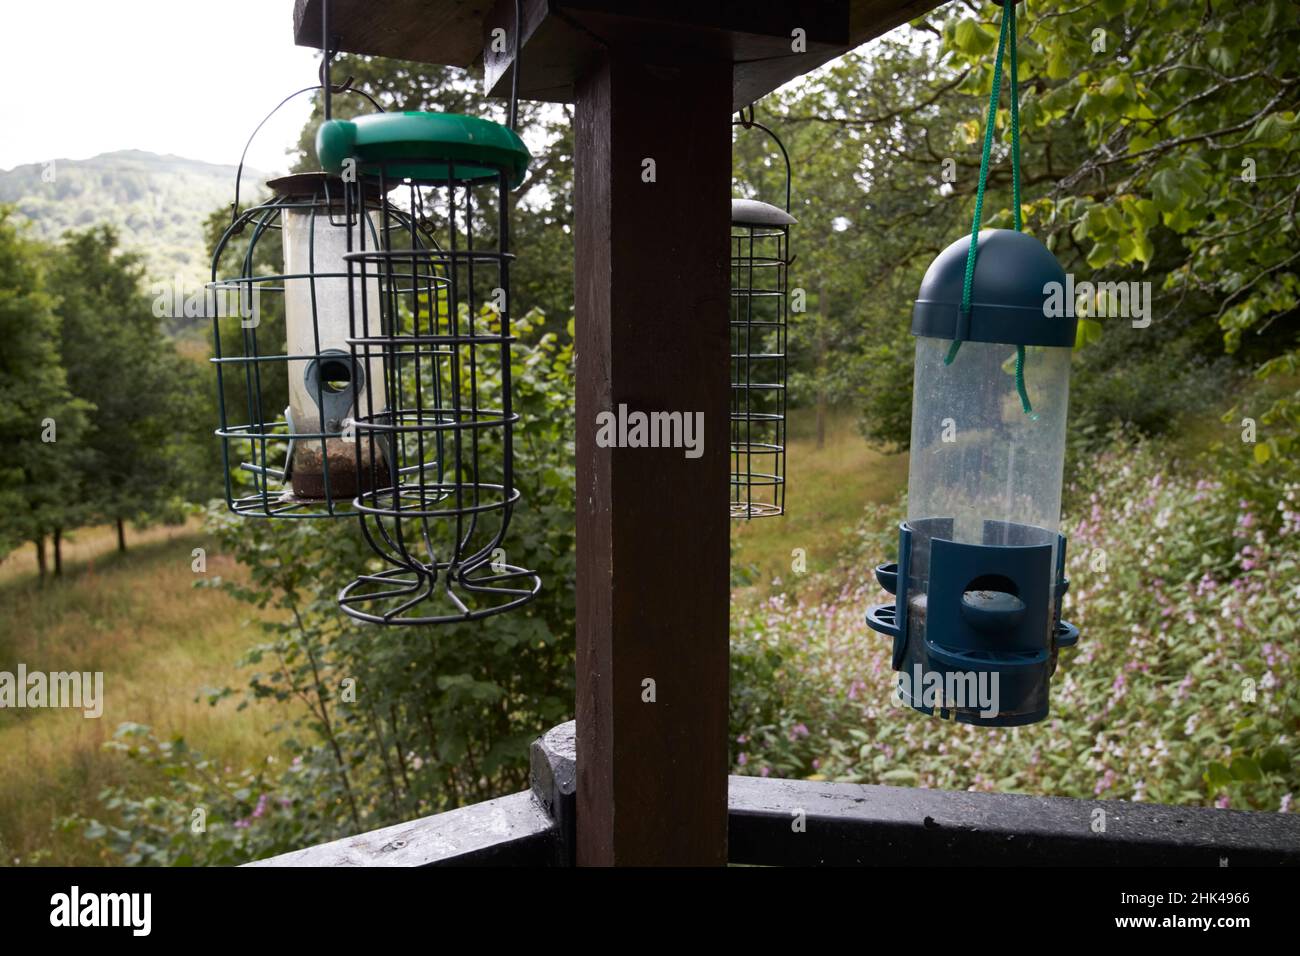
(189, 77)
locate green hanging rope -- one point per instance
(1008, 29)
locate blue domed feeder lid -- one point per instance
(1013, 280)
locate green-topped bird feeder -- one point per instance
(434, 434)
(392, 365)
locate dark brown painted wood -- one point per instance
(564, 38)
(839, 824)
(652, 526)
(847, 824)
(446, 32)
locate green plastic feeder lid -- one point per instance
(1014, 275)
(422, 147)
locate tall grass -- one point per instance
(827, 489)
(159, 640)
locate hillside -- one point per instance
(159, 203)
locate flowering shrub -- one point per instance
(1182, 689)
(199, 812)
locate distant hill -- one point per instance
(158, 203)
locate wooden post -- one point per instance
(652, 294)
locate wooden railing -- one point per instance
(809, 823)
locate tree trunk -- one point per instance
(821, 419)
(121, 536)
(821, 366)
(39, 541)
(58, 552)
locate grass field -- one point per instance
(826, 490)
(159, 641)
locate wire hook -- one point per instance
(345, 86)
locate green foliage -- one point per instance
(1135, 161)
(199, 812)
(142, 451)
(1188, 181)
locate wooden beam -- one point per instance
(652, 527)
(849, 824)
(446, 32)
(564, 38)
(515, 830)
(842, 824)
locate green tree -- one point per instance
(1159, 144)
(42, 424)
(145, 417)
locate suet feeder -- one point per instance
(976, 621)
(434, 430)
(760, 261)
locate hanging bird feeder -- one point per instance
(381, 327)
(760, 261)
(286, 381)
(435, 428)
(976, 621)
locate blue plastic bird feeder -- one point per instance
(976, 621)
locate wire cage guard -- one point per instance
(760, 260)
(285, 377)
(282, 368)
(435, 434)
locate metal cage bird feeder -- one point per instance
(436, 428)
(760, 262)
(286, 379)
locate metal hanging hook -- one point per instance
(751, 124)
(327, 45)
(330, 47)
(344, 87)
(239, 172)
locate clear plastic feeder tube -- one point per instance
(322, 394)
(982, 470)
(977, 456)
